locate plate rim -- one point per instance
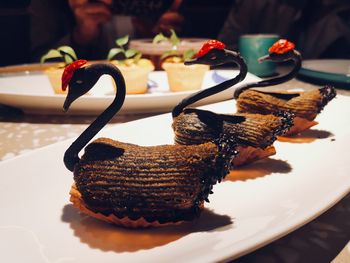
(296, 223)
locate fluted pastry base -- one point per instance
(78, 202)
(249, 154)
(300, 124)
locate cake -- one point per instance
(304, 105)
(54, 75)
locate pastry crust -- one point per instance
(78, 202)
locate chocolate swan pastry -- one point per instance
(255, 133)
(131, 185)
(305, 106)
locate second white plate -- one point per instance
(33, 94)
(334, 70)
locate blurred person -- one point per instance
(91, 27)
(320, 28)
(147, 27)
(191, 18)
(89, 18)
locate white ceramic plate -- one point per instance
(33, 94)
(252, 207)
(336, 70)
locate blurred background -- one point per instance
(29, 28)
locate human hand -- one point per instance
(89, 15)
(171, 19)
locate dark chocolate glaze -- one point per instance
(290, 55)
(214, 57)
(287, 122)
(328, 93)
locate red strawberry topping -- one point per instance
(69, 71)
(209, 45)
(281, 46)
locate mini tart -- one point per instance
(135, 74)
(184, 78)
(54, 74)
(305, 106)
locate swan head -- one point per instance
(213, 53)
(280, 51)
(79, 80)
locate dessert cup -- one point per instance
(54, 74)
(184, 78)
(135, 75)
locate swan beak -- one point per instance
(66, 104)
(69, 100)
(71, 97)
(264, 58)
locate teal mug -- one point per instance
(253, 47)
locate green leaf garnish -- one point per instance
(113, 52)
(170, 53)
(122, 41)
(137, 57)
(131, 53)
(69, 51)
(174, 40)
(67, 58)
(159, 38)
(51, 54)
(188, 54)
(127, 53)
(64, 53)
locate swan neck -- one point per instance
(295, 57)
(71, 156)
(231, 57)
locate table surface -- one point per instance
(324, 239)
